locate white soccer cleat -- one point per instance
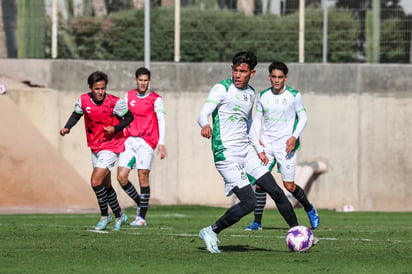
(210, 239)
(103, 222)
(139, 221)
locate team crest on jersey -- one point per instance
(284, 101)
(243, 175)
(133, 103)
(88, 109)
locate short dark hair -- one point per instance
(280, 66)
(247, 57)
(142, 71)
(97, 76)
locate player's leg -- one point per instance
(143, 175)
(144, 160)
(127, 161)
(287, 164)
(260, 193)
(102, 199)
(236, 182)
(267, 183)
(258, 212)
(106, 160)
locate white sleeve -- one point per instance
(254, 134)
(215, 96)
(161, 121)
(120, 108)
(302, 116)
(78, 107)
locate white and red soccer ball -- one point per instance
(299, 238)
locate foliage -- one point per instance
(394, 41)
(31, 29)
(212, 35)
(350, 242)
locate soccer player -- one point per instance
(145, 133)
(230, 103)
(284, 118)
(105, 117)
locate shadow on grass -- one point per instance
(241, 248)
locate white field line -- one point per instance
(259, 236)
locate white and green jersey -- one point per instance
(283, 115)
(231, 110)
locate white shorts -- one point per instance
(138, 154)
(104, 159)
(254, 167)
(233, 175)
(241, 171)
(286, 162)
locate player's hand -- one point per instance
(64, 131)
(109, 130)
(161, 150)
(263, 158)
(206, 131)
(290, 144)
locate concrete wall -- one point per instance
(359, 123)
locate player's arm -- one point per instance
(254, 132)
(301, 116)
(161, 123)
(122, 111)
(215, 96)
(302, 120)
(73, 119)
(127, 119)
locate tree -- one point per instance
(99, 8)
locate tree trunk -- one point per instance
(246, 6)
(78, 8)
(99, 8)
(9, 23)
(3, 48)
(137, 4)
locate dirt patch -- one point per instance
(34, 177)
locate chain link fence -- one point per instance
(376, 31)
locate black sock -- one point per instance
(131, 191)
(144, 201)
(267, 183)
(260, 204)
(247, 203)
(114, 204)
(102, 199)
(300, 195)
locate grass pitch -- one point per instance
(351, 242)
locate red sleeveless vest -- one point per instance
(96, 117)
(145, 124)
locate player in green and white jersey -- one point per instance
(284, 118)
(230, 103)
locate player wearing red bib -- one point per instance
(105, 117)
(145, 133)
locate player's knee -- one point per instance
(290, 186)
(249, 205)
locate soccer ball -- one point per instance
(299, 238)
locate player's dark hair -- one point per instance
(247, 57)
(142, 71)
(278, 65)
(97, 76)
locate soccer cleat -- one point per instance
(313, 217)
(103, 222)
(316, 240)
(139, 221)
(254, 226)
(119, 221)
(210, 239)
